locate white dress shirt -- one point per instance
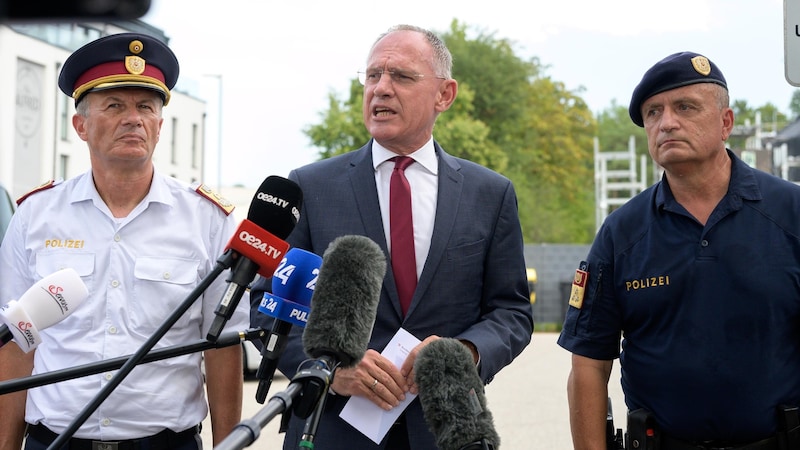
(424, 181)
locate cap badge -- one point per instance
(701, 65)
(135, 65)
(136, 46)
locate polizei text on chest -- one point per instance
(648, 282)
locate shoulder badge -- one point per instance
(42, 187)
(579, 285)
(215, 198)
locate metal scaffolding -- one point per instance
(616, 178)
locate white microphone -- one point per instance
(47, 302)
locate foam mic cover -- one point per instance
(345, 300)
(258, 242)
(46, 303)
(276, 206)
(273, 214)
(452, 397)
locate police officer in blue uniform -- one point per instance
(698, 278)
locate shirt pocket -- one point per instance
(160, 286)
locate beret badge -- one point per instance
(701, 65)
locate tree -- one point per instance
(342, 128)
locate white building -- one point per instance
(37, 141)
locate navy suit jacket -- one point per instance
(473, 285)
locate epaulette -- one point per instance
(42, 187)
(221, 202)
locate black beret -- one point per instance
(120, 60)
(674, 71)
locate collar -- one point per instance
(742, 184)
(85, 190)
(424, 156)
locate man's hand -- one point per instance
(408, 366)
(375, 378)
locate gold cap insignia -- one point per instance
(136, 47)
(135, 64)
(701, 65)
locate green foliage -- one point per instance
(544, 129)
(342, 128)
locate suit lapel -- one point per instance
(365, 192)
(362, 179)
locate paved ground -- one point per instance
(528, 401)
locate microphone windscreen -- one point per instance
(54, 297)
(296, 276)
(452, 395)
(276, 206)
(48, 301)
(345, 300)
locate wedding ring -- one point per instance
(374, 383)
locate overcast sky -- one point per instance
(279, 60)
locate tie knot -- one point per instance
(401, 162)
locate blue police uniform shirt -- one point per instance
(709, 315)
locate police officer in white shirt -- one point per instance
(141, 242)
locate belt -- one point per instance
(165, 440)
(669, 443)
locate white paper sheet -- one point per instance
(369, 418)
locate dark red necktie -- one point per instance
(404, 263)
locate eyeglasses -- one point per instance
(398, 76)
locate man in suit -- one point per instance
(468, 271)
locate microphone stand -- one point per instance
(305, 395)
(223, 262)
(274, 344)
(325, 367)
(55, 376)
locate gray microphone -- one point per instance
(345, 300)
(452, 397)
(343, 310)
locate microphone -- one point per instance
(289, 303)
(343, 310)
(345, 300)
(46, 303)
(275, 207)
(452, 397)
